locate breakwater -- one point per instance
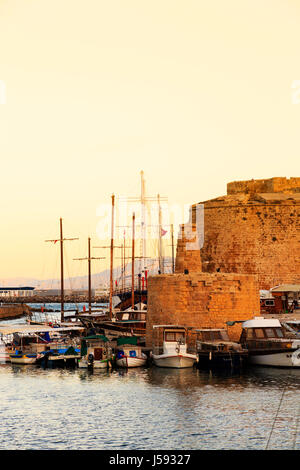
(35, 299)
(14, 311)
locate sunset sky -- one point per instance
(195, 93)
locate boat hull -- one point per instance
(280, 359)
(222, 360)
(128, 361)
(178, 361)
(23, 359)
(84, 364)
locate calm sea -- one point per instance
(148, 408)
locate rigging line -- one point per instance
(276, 416)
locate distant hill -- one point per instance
(81, 282)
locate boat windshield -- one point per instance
(214, 335)
(175, 336)
(262, 333)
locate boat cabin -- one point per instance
(168, 339)
(266, 334)
(97, 345)
(260, 329)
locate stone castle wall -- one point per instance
(201, 300)
(251, 232)
(271, 185)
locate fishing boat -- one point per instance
(95, 353)
(214, 349)
(170, 347)
(129, 353)
(269, 344)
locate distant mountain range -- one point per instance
(99, 280)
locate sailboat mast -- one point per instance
(62, 271)
(143, 222)
(111, 255)
(124, 265)
(160, 258)
(61, 240)
(89, 259)
(89, 275)
(173, 259)
(132, 262)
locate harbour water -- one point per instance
(148, 409)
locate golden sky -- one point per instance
(195, 93)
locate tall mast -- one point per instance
(173, 259)
(143, 223)
(111, 255)
(89, 276)
(61, 240)
(132, 261)
(89, 258)
(124, 262)
(160, 258)
(62, 271)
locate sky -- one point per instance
(194, 93)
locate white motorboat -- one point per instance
(269, 344)
(129, 353)
(170, 348)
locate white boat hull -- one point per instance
(284, 359)
(128, 361)
(179, 361)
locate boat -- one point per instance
(21, 357)
(269, 344)
(26, 344)
(129, 353)
(68, 356)
(171, 348)
(214, 349)
(95, 353)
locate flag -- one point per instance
(163, 232)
